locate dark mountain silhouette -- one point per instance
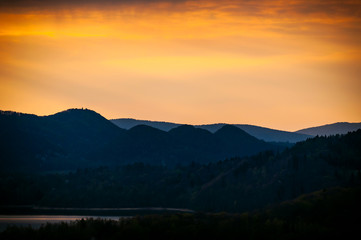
(60, 141)
(195, 135)
(238, 141)
(128, 123)
(262, 133)
(184, 144)
(331, 129)
(143, 144)
(83, 138)
(189, 136)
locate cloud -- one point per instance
(277, 8)
(52, 4)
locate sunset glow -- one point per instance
(279, 64)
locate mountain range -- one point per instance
(78, 138)
(83, 138)
(331, 129)
(262, 133)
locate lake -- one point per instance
(36, 221)
(36, 216)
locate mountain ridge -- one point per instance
(83, 138)
(262, 133)
(331, 129)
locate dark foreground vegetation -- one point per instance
(233, 185)
(326, 214)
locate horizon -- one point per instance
(285, 65)
(160, 121)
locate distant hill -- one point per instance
(128, 123)
(83, 138)
(266, 134)
(61, 141)
(331, 129)
(183, 144)
(262, 133)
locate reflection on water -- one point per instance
(36, 216)
(36, 221)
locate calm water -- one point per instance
(36, 221)
(36, 216)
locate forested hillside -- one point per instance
(232, 185)
(81, 138)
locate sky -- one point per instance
(281, 64)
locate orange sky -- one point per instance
(279, 64)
